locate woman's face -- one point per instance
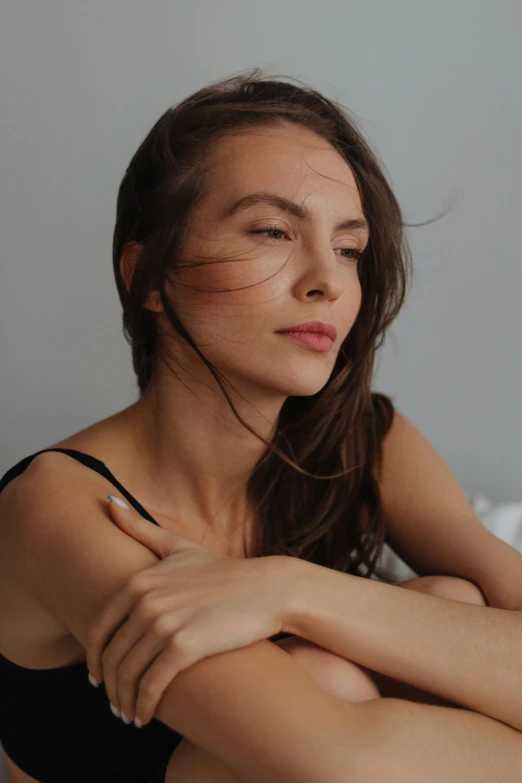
(277, 279)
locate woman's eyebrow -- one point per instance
(285, 205)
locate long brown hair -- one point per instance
(341, 428)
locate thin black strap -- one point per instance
(90, 462)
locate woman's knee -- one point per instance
(451, 587)
(189, 762)
(336, 675)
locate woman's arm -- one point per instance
(382, 739)
(252, 708)
(466, 654)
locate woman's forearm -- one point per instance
(260, 714)
(406, 743)
(466, 654)
(304, 739)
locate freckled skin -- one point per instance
(200, 453)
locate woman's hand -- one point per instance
(192, 604)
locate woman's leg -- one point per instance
(452, 587)
(336, 675)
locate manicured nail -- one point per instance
(93, 681)
(115, 710)
(117, 501)
(124, 718)
(138, 723)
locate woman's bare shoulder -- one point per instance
(105, 440)
(40, 478)
(59, 542)
(32, 636)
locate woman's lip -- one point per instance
(313, 340)
(317, 327)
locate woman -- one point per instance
(262, 464)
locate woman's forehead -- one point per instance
(308, 171)
(281, 153)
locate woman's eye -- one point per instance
(354, 253)
(270, 229)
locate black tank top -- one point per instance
(59, 729)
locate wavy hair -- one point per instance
(335, 520)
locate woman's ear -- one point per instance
(153, 302)
(128, 261)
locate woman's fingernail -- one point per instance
(124, 718)
(115, 710)
(117, 501)
(138, 723)
(93, 681)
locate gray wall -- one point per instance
(436, 87)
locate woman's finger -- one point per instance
(107, 622)
(156, 538)
(131, 633)
(131, 671)
(114, 612)
(156, 679)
